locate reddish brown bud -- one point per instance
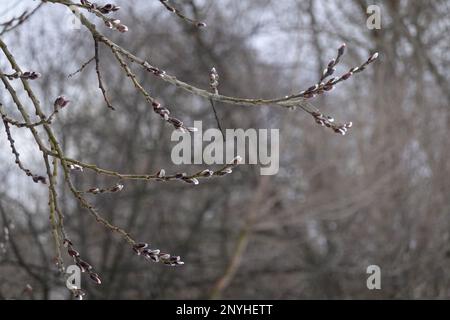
(73, 253)
(61, 102)
(95, 277)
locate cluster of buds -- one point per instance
(327, 121)
(115, 24)
(105, 9)
(155, 255)
(27, 75)
(174, 10)
(317, 89)
(83, 265)
(329, 70)
(30, 75)
(165, 114)
(214, 80)
(193, 179)
(116, 188)
(362, 67)
(329, 85)
(161, 176)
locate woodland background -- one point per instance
(379, 195)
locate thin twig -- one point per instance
(181, 15)
(99, 76)
(84, 65)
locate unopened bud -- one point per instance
(61, 102)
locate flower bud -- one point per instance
(95, 277)
(61, 102)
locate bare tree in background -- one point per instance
(338, 205)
